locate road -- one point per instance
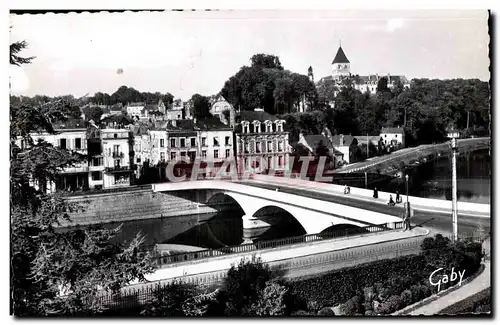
(401, 153)
(436, 222)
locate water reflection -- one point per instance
(433, 179)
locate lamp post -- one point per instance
(454, 212)
(407, 177)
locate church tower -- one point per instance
(310, 74)
(340, 65)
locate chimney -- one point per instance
(174, 122)
(341, 140)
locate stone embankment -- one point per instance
(132, 205)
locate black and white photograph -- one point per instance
(233, 163)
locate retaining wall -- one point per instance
(137, 205)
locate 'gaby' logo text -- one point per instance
(435, 279)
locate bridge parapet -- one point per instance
(483, 209)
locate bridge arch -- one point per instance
(311, 221)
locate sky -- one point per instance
(196, 52)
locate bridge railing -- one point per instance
(163, 260)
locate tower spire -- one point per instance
(340, 42)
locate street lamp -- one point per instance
(406, 177)
(454, 212)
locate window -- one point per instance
(183, 154)
(62, 143)
(280, 161)
(269, 128)
(269, 160)
(96, 176)
(257, 128)
(228, 153)
(216, 153)
(162, 143)
(216, 141)
(162, 156)
(173, 155)
(116, 148)
(138, 160)
(183, 142)
(115, 135)
(257, 147)
(193, 142)
(78, 143)
(97, 161)
(280, 146)
(216, 108)
(204, 141)
(279, 128)
(204, 154)
(245, 129)
(227, 141)
(246, 148)
(117, 163)
(192, 155)
(269, 146)
(172, 143)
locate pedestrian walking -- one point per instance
(398, 197)
(375, 193)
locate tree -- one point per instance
(261, 61)
(201, 106)
(272, 300)
(93, 113)
(243, 284)
(15, 49)
(45, 260)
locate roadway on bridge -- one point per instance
(438, 222)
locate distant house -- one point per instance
(453, 133)
(219, 106)
(313, 142)
(347, 145)
(177, 110)
(393, 136)
(375, 140)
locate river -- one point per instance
(431, 180)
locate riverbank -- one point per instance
(410, 157)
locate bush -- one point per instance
(302, 313)
(271, 301)
(243, 284)
(168, 300)
(313, 306)
(352, 306)
(392, 304)
(369, 294)
(326, 311)
(407, 297)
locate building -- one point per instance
(452, 132)
(177, 111)
(314, 141)
(216, 143)
(261, 142)
(341, 69)
(136, 109)
(71, 135)
(374, 141)
(393, 136)
(347, 145)
(219, 106)
(118, 156)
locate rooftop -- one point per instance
(258, 115)
(393, 130)
(340, 57)
(348, 139)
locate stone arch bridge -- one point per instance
(313, 215)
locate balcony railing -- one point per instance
(117, 154)
(119, 169)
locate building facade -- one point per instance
(393, 136)
(118, 156)
(261, 142)
(219, 106)
(347, 145)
